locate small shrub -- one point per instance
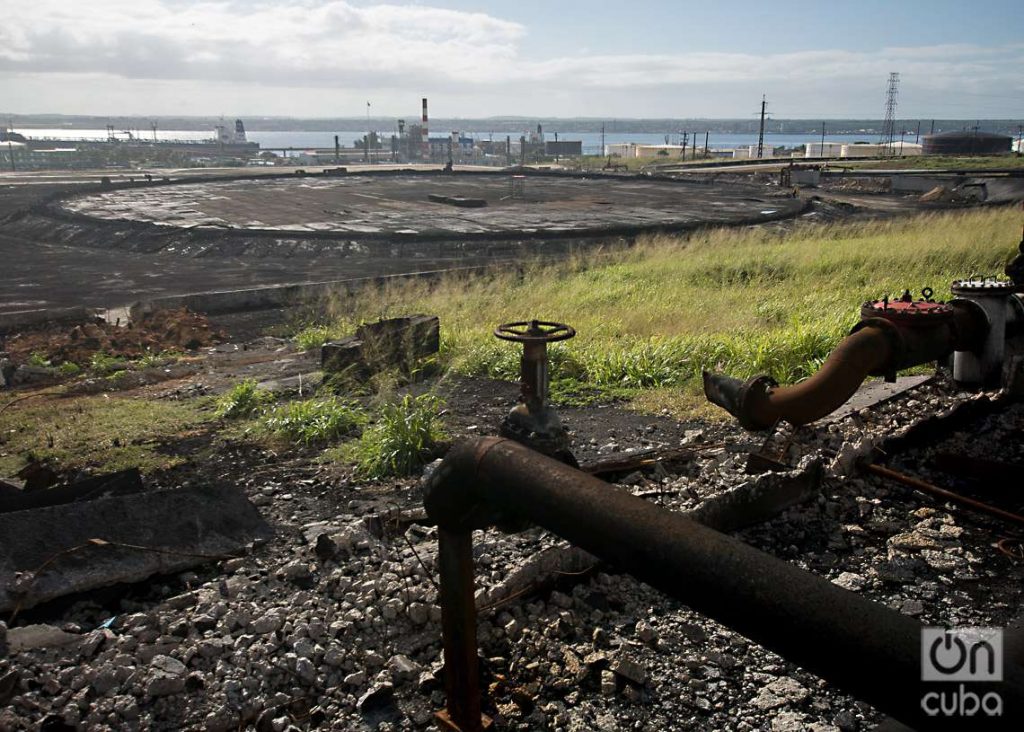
(68, 368)
(314, 336)
(404, 437)
(103, 363)
(243, 400)
(151, 359)
(38, 358)
(315, 421)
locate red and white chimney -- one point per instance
(426, 135)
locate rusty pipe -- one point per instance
(863, 647)
(875, 347)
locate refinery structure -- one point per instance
(411, 142)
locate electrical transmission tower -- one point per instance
(760, 134)
(889, 125)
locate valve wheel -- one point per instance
(534, 331)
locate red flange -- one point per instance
(908, 311)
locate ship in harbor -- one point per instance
(228, 141)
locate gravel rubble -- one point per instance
(335, 624)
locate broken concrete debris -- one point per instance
(52, 551)
(39, 491)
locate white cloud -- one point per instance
(230, 51)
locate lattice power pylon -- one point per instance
(889, 125)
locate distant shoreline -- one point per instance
(509, 125)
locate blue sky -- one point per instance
(525, 57)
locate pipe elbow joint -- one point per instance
(452, 494)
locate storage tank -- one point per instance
(823, 150)
(966, 142)
(862, 150)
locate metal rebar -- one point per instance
(925, 487)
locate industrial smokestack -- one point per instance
(426, 135)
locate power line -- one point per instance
(889, 125)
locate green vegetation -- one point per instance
(102, 432)
(942, 162)
(404, 436)
(314, 337)
(244, 399)
(315, 421)
(69, 368)
(745, 301)
(103, 363)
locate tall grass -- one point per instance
(315, 421)
(404, 436)
(745, 301)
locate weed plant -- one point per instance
(405, 435)
(243, 400)
(315, 421)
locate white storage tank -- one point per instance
(823, 150)
(862, 150)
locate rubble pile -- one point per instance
(162, 330)
(335, 624)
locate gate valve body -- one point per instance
(532, 421)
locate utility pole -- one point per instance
(707, 137)
(888, 137)
(694, 142)
(1020, 136)
(602, 140)
(933, 128)
(337, 150)
(917, 136)
(686, 139)
(821, 152)
(366, 154)
(508, 150)
(760, 134)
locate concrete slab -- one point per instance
(50, 552)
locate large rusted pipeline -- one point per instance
(876, 347)
(863, 647)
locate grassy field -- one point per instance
(942, 162)
(104, 432)
(742, 301)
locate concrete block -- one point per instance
(400, 341)
(90, 544)
(345, 355)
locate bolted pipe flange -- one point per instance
(532, 421)
(905, 310)
(984, 287)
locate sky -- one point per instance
(550, 58)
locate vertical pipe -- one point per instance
(458, 629)
(707, 138)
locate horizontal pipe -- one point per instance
(876, 347)
(864, 648)
(760, 403)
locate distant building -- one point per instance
(563, 148)
(634, 150)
